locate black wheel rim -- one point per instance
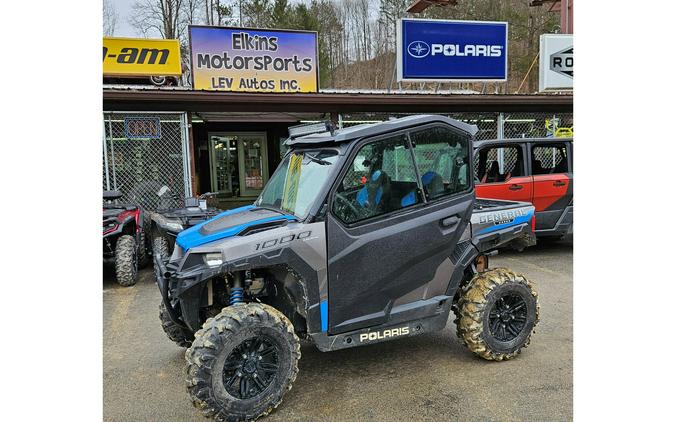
(508, 317)
(251, 367)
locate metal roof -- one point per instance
(371, 129)
(397, 91)
(421, 5)
(131, 98)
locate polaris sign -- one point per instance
(429, 50)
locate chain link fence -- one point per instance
(537, 125)
(514, 125)
(142, 153)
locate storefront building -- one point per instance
(230, 143)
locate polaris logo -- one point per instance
(380, 335)
(420, 49)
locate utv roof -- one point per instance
(361, 131)
(478, 144)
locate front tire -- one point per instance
(179, 335)
(160, 246)
(242, 362)
(496, 314)
(126, 260)
(143, 250)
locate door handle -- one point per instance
(559, 183)
(515, 187)
(450, 221)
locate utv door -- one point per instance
(552, 182)
(392, 228)
(501, 173)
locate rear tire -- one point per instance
(179, 335)
(126, 260)
(496, 314)
(242, 362)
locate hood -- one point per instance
(229, 223)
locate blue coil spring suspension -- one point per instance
(237, 295)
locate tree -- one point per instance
(217, 13)
(110, 16)
(159, 17)
(256, 13)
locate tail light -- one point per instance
(534, 221)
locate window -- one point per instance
(498, 164)
(549, 159)
(442, 157)
(381, 179)
(296, 183)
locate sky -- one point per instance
(124, 8)
(123, 28)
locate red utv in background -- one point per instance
(123, 238)
(532, 170)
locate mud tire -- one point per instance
(179, 335)
(216, 340)
(143, 250)
(126, 261)
(475, 302)
(161, 246)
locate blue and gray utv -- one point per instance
(362, 235)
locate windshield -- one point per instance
(297, 181)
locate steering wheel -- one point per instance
(344, 201)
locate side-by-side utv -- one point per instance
(362, 235)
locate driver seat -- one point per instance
(375, 192)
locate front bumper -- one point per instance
(183, 292)
(163, 276)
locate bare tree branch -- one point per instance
(110, 16)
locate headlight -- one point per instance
(213, 259)
(174, 226)
(166, 223)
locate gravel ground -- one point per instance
(429, 377)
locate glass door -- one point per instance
(223, 159)
(253, 171)
(238, 163)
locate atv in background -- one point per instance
(165, 224)
(123, 238)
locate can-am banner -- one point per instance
(141, 57)
(429, 50)
(253, 60)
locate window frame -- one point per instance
(470, 175)
(349, 161)
(360, 144)
(564, 145)
(526, 162)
